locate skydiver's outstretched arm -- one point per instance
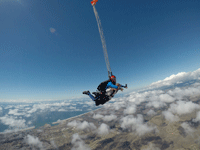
(123, 86)
(110, 85)
(120, 86)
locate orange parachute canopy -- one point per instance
(94, 2)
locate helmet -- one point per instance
(113, 78)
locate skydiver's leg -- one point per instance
(102, 98)
(90, 95)
(105, 99)
(113, 93)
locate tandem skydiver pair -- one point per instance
(106, 90)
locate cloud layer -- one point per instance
(197, 117)
(33, 141)
(82, 125)
(178, 78)
(20, 116)
(128, 112)
(136, 124)
(13, 123)
(104, 129)
(78, 143)
(182, 107)
(170, 117)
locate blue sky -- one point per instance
(146, 41)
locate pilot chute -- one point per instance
(94, 2)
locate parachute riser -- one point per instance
(103, 41)
(109, 74)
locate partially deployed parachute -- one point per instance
(103, 41)
(94, 2)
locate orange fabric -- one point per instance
(94, 2)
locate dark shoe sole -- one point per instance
(86, 92)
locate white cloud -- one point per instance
(85, 125)
(1, 108)
(72, 123)
(109, 117)
(130, 110)
(187, 128)
(27, 115)
(82, 125)
(178, 78)
(166, 98)
(90, 103)
(197, 117)
(177, 93)
(156, 104)
(71, 107)
(196, 84)
(12, 122)
(59, 104)
(137, 98)
(143, 129)
(20, 106)
(14, 112)
(136, 124)
(27, 108)
(53, 109)
(118, 104)
(104, 129)
(182, 107)
(8, 107)
(153, 96)
(78, 143)
(186, 91)
(170, 117)
(49, 107)
(30, 122)
(34, 109)
(151, 146)
(151, 112)
(53, 144)
(97, 116)
(62, 109)
(157, 98)
(33, 141)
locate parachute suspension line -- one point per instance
(103, 41)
